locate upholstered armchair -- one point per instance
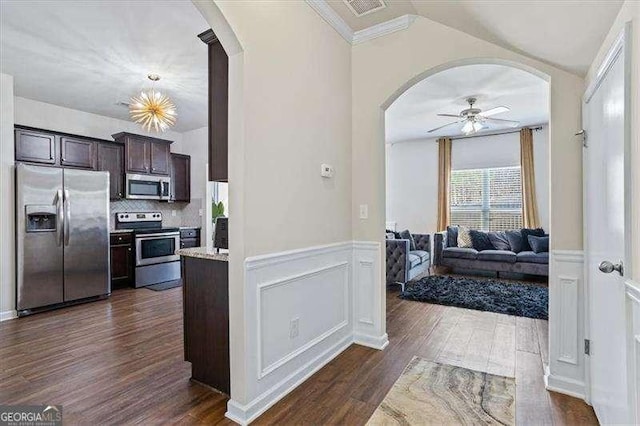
(404, 264)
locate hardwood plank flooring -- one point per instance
(120, 361)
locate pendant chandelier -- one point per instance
(153, 110)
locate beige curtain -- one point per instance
(530, 218)
(444, 181)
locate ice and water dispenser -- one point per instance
(41, 218)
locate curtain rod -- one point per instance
(505, 132)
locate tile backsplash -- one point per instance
(186, 214)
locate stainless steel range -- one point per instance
(155, 246)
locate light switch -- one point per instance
(173, 213)
(364, 211)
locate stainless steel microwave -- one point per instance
(147, 187)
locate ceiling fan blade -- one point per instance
(508, 122)
(449, 115)
(450, 124)
(494, 111)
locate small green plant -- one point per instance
(217, 210)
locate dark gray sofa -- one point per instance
(404, 264)
(526, 262)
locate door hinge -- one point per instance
(583, 133)
(587, 347)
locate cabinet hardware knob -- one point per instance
(119, 238)
(119, 194)
(129, 249)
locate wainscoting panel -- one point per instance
(302, 309)
(633, 325)
(566, 372)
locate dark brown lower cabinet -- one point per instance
(190, 238)
(206, 320)
(122, 269)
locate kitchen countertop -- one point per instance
(204, 253)
(120, 231)
(189, 227)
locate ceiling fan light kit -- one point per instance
(475, 119)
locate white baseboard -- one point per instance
(245, 414)
(8, 315)
(565, 386)
(375, 342)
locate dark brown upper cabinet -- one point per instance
(218, 107)
(35, 146)
(110, 159)
(180, 177)
(160, 158)
(145, 154)
(76, 152)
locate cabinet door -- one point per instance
(121, 265)
(218, 112)
(160, 160)
(110, 160)
(137, 155)
(77, 153)
(36, 147)
(181, 177)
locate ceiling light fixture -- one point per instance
(152, 109)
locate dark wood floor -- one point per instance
(120, 361)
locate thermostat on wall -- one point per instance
(326, 170)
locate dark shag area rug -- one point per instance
(482, 295)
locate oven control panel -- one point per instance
(125, 217)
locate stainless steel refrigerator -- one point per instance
(62, 236)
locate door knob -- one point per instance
(608, 267)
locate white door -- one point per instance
(604, 162)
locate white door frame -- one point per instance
(621, 44)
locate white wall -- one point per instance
(196, 144)
(7, 199)
(290, 111)
(66, 120)
(412, 174)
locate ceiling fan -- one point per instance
(475, 119)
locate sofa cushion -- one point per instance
(531, 257)
(515, 240)
(424, 255)
(460, 253)
(480, 240)
(452, 236)
(499, 240)
(539, 244)
(497, 256)
(406, 235)
(464, 238)
(538, 232)
(414, 260)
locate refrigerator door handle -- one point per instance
(60, 218)
(67, 216)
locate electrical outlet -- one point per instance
(294, 328)
(364, 211)
(200, 212)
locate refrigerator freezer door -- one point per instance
(39, 251)
(86, 236)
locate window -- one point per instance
(487, 199)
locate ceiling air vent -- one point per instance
(364, 7)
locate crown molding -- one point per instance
(327, 13)
(397, 24)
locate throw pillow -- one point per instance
(515, 240)
(452, 236)
(538, 232)
(406, 235)
(480, 240)
(464, 238)
(539, 244)
(499, 240)
(390, 236)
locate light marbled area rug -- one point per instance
(428, 393)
